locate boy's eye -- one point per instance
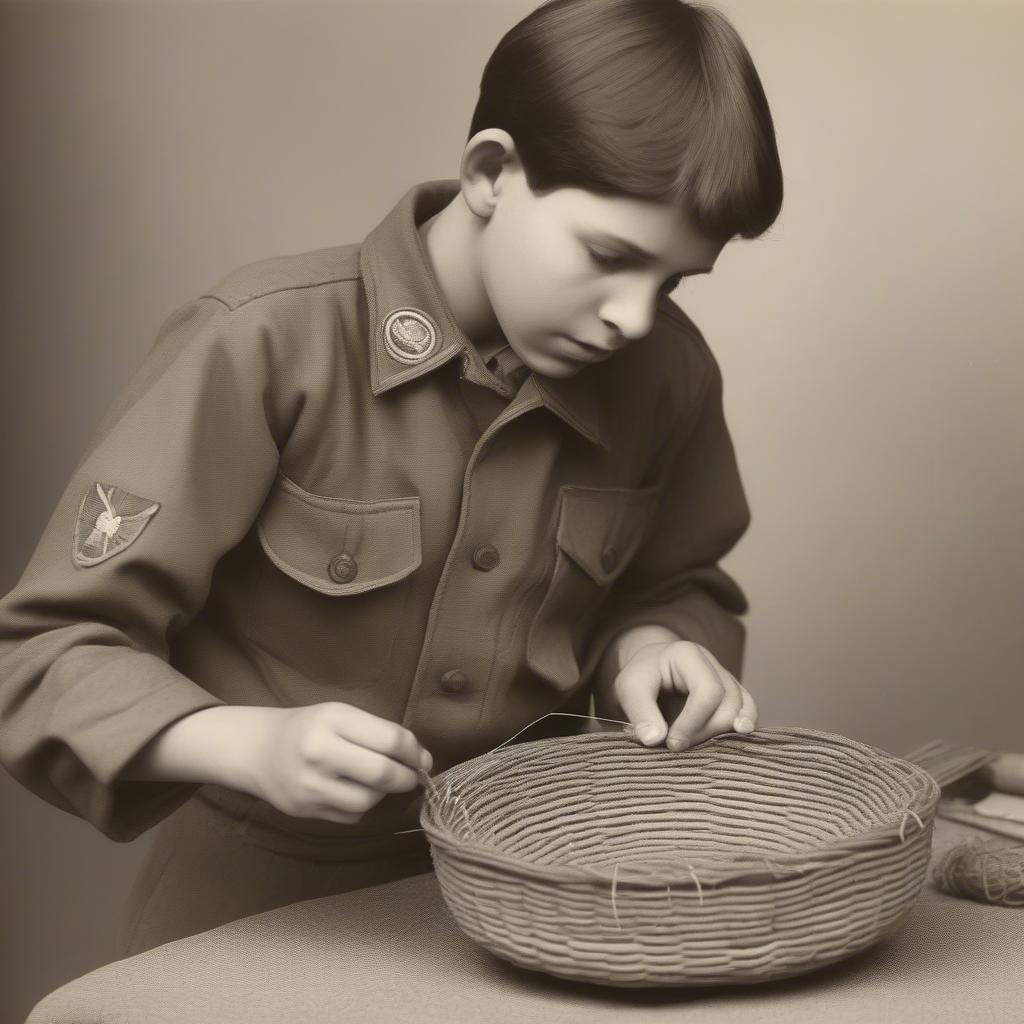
(613, 261)
(605, 259)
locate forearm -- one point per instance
(216, 745)
(617, 653)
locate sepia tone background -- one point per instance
(871, 343)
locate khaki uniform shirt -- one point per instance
(314, 490)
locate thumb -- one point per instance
(637, 687)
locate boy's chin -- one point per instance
(558, 370)
(572, 370)
(554, 366)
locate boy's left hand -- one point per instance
(678, 671)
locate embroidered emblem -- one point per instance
(109, 519)
(409, 335)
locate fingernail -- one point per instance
(426, 761)
(648, 732)
(743, 724)
(676, 743)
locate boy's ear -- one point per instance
(487, 156)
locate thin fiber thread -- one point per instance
(809, 845)
(428, 781)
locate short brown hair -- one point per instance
(654, 99)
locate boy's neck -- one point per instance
(451, 238)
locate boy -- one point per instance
(371, 510)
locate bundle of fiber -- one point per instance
(743, 859)
(989, 872)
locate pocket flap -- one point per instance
(601, 528)
(339, 545)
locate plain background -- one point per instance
(871, 343)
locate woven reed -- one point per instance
(743, 859)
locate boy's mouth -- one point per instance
(592, 351)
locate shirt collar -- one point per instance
(412, 330)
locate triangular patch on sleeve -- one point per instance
(109, 520)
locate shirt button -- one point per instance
(454, 681)
(609, 558)
(343, 568)
(486, 557)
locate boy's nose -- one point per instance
(628, 319)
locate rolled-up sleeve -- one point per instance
(171, 480)
(674, 579)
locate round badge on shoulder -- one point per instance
(409, 335)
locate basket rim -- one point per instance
(915, 821)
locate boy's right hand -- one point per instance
(333, 761)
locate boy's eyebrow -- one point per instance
(639, 253)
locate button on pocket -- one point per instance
(343, 568)
(599, 531)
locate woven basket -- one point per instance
(743, 859)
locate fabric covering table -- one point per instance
(393, 952)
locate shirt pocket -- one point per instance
(599, 531)
(328, 601)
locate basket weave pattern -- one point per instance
(746, 858)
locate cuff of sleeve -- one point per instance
(119, 704)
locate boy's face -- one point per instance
(558, 270)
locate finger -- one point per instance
(378, 734)
(339, 817)
(637, 687)
(731, 710)
(746, 717)
(340, 758)
(721, 721)
(342, 796)
(696, 671)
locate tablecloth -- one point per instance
(393, 953)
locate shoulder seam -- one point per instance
(237, 301)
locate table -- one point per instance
(392, 953)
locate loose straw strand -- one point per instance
(903, 824)
(615, 882)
